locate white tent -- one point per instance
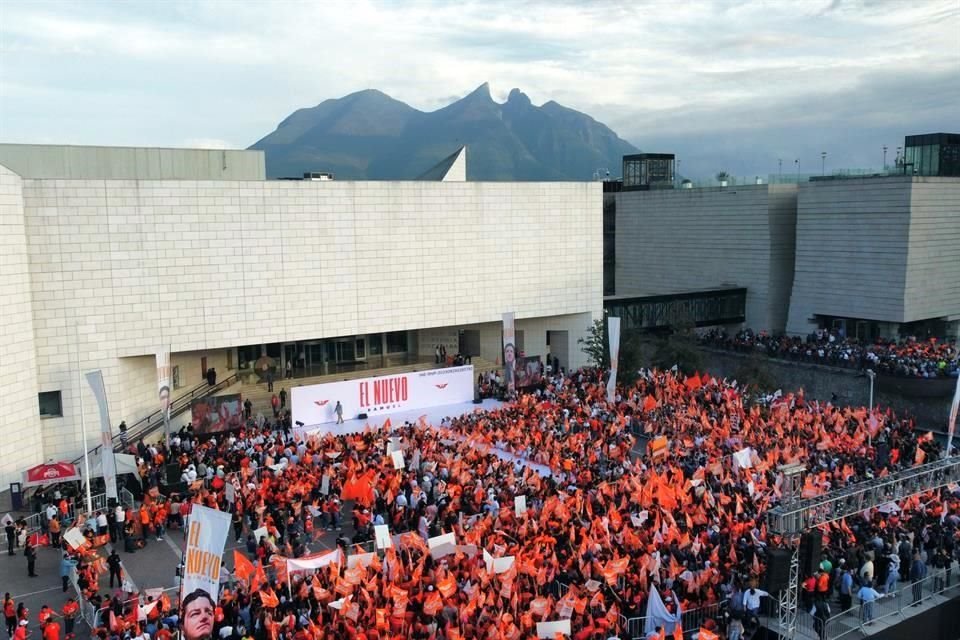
(126, 463)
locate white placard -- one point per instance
(74, 537)
(551, 629)
(313, 404)
(520, 505)
(443, 545)
(325, 485)
(393, 444)
(363, 559)
(415, 464)
(398, 462)
(502, 565)
(381, 533)
(260, 533)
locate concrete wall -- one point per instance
(852, 242)
(131, 163)
(884, 249)
(820, 382)
(933, 265)
(672, 241)
(20, 443)
(118, 268)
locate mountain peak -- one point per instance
(518, 97)
(480, 93)
(369, 135)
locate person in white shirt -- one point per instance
(102, 523)
(751, 600)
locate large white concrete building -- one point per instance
(101, 272)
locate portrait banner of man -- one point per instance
(509, 352)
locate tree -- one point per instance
(594, 346)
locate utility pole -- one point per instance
(823, 163)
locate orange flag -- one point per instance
(269, 599)
(242, 567)
(706, 634)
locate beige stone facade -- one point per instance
(100, 273)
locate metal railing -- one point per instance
(150, 423)
(127, 499)
(692, 620)
(35, 521)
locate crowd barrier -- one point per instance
(692, 620)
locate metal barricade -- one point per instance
(127, 499)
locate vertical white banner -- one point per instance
(613, 338)
(164, 390)
(509, 352)
(952, 422)
(206, 538)
(108, 462)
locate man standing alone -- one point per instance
(339, 411)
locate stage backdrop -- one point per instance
(314, 404)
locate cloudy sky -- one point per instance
(725, 85)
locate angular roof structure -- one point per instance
(453, 168)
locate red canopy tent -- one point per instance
(50, 473)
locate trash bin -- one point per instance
(16, 496)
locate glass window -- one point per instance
(361, 350)
(374, 344)
(396, 342)
(50, 404)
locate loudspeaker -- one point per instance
(778, 570)
(362, 416)
(173, 473)
(810, 548)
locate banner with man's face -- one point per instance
(206, 538)
(509, 352)
(164, 375)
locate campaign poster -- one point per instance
(217, 413)
(206, 538)
(509, 353)
(528, 372)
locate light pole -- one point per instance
(872, 375)
(823, 162)
(884, 157)
(779, 168)
(797, 162)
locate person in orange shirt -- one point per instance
(51, 630)
(144, 523)
(21, 632)
(70, 611)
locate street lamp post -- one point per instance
(884, 157)
(797, 162)
(823, 162)
(779, 168)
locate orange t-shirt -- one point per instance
(51, 631)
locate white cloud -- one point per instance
(137, 73)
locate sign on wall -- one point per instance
(314, 404)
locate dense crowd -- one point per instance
(601, 528)
(909, 357)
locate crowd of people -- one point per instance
(601, 526)
(909, 357)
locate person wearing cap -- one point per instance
(21, 632)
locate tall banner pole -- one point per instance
(509, 353)
(952, 422)
(107, 460)
(83, 424)
(164, 375)
(613, 339)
